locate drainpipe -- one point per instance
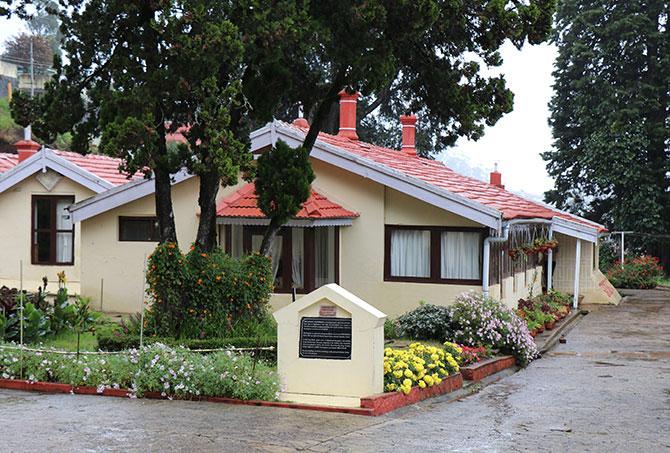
(550, 260)
(578, 259)
(496, 239)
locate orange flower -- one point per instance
(249, 306)
(199, 281)
(218, 278)
(204, 255)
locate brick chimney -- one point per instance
(26, 148)
(408, 134)
(496, 178)
(348, 115)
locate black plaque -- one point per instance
(325, 338)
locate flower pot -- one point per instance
(549, 325)
(533, 333)
(540, 329)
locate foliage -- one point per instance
(544, 308)
(17, 50)
(283, 180)
(483, 321)
(391, 329)
(201, 295)
(63, 315)
(642, 272)
(539, 245)
(607, 255)
(427, 322)
(609, 113)
(173, 372)
(419, 366)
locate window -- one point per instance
(302, 258)
(138, 229)
(433, 254)
(52, 230)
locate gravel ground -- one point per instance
(607, 389)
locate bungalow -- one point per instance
(388, 225)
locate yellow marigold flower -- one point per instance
(431, 366)
(438, 381)
(428, 379)
(406, 390)
(422, 384)
(390, 387)
(407, 383)
(434, 357)
(398, 373)
(408, 373)
(418, 367)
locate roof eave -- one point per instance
(381, 174)
(47, 158)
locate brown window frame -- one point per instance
(53, 231)
(287, 250)
(123, 219)
(435, 257)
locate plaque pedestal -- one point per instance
(330, 348)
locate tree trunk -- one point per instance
(209, 187)
(269, 237)
(164, 213)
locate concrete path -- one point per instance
(607, 389)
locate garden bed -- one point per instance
(487, 367)
(371, 406)
(387, 402)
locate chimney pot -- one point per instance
(26, 149)
(348, 115)
(301, 122)
(496, 178)
(408, 134)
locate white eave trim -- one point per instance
(303, 223)
(118, 196)
(574, 229)
(47, 158)
(381, 174)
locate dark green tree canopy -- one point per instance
(610, 112)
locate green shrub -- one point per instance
(390, 329)
(427, 322)
(119, 341)
(173, 372)
(642, 272)
(200, 295)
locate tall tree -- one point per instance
(422, 56)
(17, 50)
(610, 113)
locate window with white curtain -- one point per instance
(410, 253)
(460, 255)
(302, 258)
(52, 230)
(324, 253)
(433, 254)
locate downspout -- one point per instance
(550, 260)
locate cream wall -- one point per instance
(593, 285)
(121, 264)
(362, 244)
(15, 235)
(518, 287)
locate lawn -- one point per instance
(67, 341)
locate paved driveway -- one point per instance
(607, 389)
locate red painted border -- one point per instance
(487, 367)
(387, 402)
(373, 405)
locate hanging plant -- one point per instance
(539, 245)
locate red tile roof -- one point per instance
(437, 174)
(243, 204)
(103, 167)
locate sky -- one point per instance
(514, 142)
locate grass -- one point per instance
(67, 341)
(664, 281)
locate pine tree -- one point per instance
(610, 112)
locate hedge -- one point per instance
(115, 341)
